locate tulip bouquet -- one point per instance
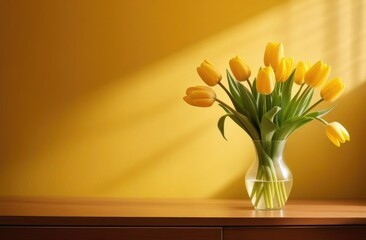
(267, 110)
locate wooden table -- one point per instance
(69, 218)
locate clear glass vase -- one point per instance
(268, 180)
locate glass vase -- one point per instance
(268, 180)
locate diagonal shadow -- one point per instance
(154, 159)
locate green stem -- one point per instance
(299, 103)
(303, 93)
(279, 193)
(259, 193)
(282, 84)
(283, 191)
(290, 107)
(268, 189)
(223, 103)
(256, 184)
(314, 105)
(264, 104)
(250, 85)
(225, 89)
(298, 92)
(252, 131)
(322, 120)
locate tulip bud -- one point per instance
(284, 69)
(265, 81)
(332, 90)
(300, 72)
(337, 133)
(240, 70)
(209, 74)
(317, 74)
(200, 96)
(273, 55)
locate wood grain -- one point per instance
(110, 233)
(310, 232)
(175, 212)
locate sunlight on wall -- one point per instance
(135, 137)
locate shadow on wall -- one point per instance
(88, 101)
(320, 169)
(150, 162)
(234, 190)
(56, 54)
(317, 160)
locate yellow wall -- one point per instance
(91, 96)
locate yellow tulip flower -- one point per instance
(317, 74)
(337, 133)
(265, 80)
(208, 73)
(300, 72)
(240, 70)
(332, 90)
(284, 69)
(273, 55)
(200, 96)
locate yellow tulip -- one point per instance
(337, 133)
(200, 96)
(265, 80)
(332, 90)
(209, 74)
(240, 70)
(284, 69)
(300, 72)
(273, 55)
(317, 74)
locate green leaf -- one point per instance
(290, 126)
(255, 93)
(269, 100)
(288, 111)
(225, 108)
(276, 101)
(320, 113)
(243, 122)
(302, 104)
(221, 124)
(235, 96)
(307, 101)
(235, 119)
(268, 127)
(247, 123)
(285, 100)
(295, 123)
(262, 105)
(287, 90)
(233, 86)
(302, 122)
(256, 96)
(248, 103)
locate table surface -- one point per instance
(176, 212)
